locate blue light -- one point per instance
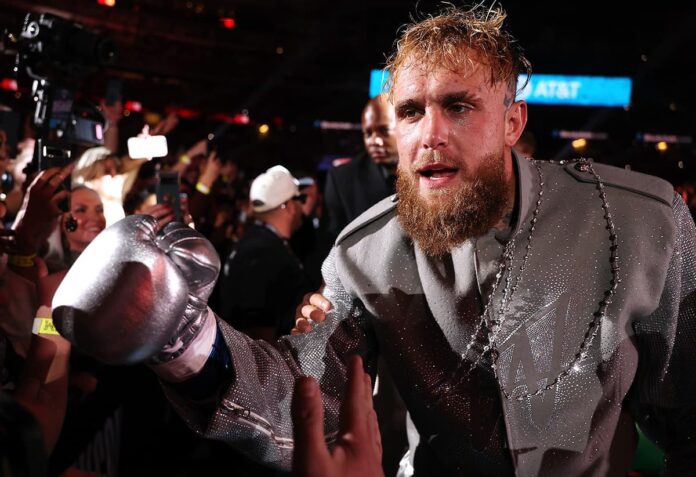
(576, 90)
(377, 80)
(555, 89)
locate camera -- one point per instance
(49, 42)
(53, 51)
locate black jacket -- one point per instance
(353, 188)
(261, 282)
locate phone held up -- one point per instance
(141, 147)
(168, 192)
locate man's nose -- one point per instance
(435, 134)
(379, 141)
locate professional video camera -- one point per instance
(53, 52)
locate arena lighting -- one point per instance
(579, 143)
(564, 134)
(666, 138)
(183, 113)
(228, 22)
(231, 119)
(263, 129)
(337, 125)
(107, 3)
(554, 89)
(135, 106)
(661, 146)
(8, 84)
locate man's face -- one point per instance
(454, 134)
(378, 133)
(448, 124)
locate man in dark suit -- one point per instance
(354, 187)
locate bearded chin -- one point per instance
(452, 216)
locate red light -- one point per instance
(228, 22)
(107, 3)
(184, 113)
(236, 119)
(8, 84)
(135, 106)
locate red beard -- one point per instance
(456, 214)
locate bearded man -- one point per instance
(531, 313)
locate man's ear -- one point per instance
(515, 121)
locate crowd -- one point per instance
(487, 299)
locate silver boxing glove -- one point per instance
(135, 294)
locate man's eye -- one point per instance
(459, 108)
(408, 113)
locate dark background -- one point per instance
(176, 54)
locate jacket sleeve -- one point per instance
(252, 411)
(663, 400)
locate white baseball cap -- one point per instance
(272, 189)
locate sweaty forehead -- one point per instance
(417, 81)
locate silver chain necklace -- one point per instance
(483, 339)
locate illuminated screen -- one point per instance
(556, 89)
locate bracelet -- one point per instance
(44, 326)
(24, 261)
(184, 159)
(202, 188)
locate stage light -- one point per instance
(228, 22)
(107, 3)
(579, 143)
(661, 146)
(263, 129)
(135, 106)
(8, 84)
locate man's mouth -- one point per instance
(437, 172)
(378, 152)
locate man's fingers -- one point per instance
(311, 312)
(354, 409)
(374, 437)
(308, 425)
(302, 326)
(320, 302)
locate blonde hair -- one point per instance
(460, 38)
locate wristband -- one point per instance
(44, 326)
(184, 159)
(202, 188)
(24, 261)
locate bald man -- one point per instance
(354, 187)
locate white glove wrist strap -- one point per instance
(194, 358)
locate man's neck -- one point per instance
(279, 227)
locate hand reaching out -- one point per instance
(313, 309)
(357, 451)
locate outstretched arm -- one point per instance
(357, 449)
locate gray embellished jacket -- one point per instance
(419, 313)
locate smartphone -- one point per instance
(147, 147)
(47, 156)
(113, 92)
(167, 192)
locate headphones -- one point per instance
(70, 223)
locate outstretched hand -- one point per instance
(357, 451)
(313, 309)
